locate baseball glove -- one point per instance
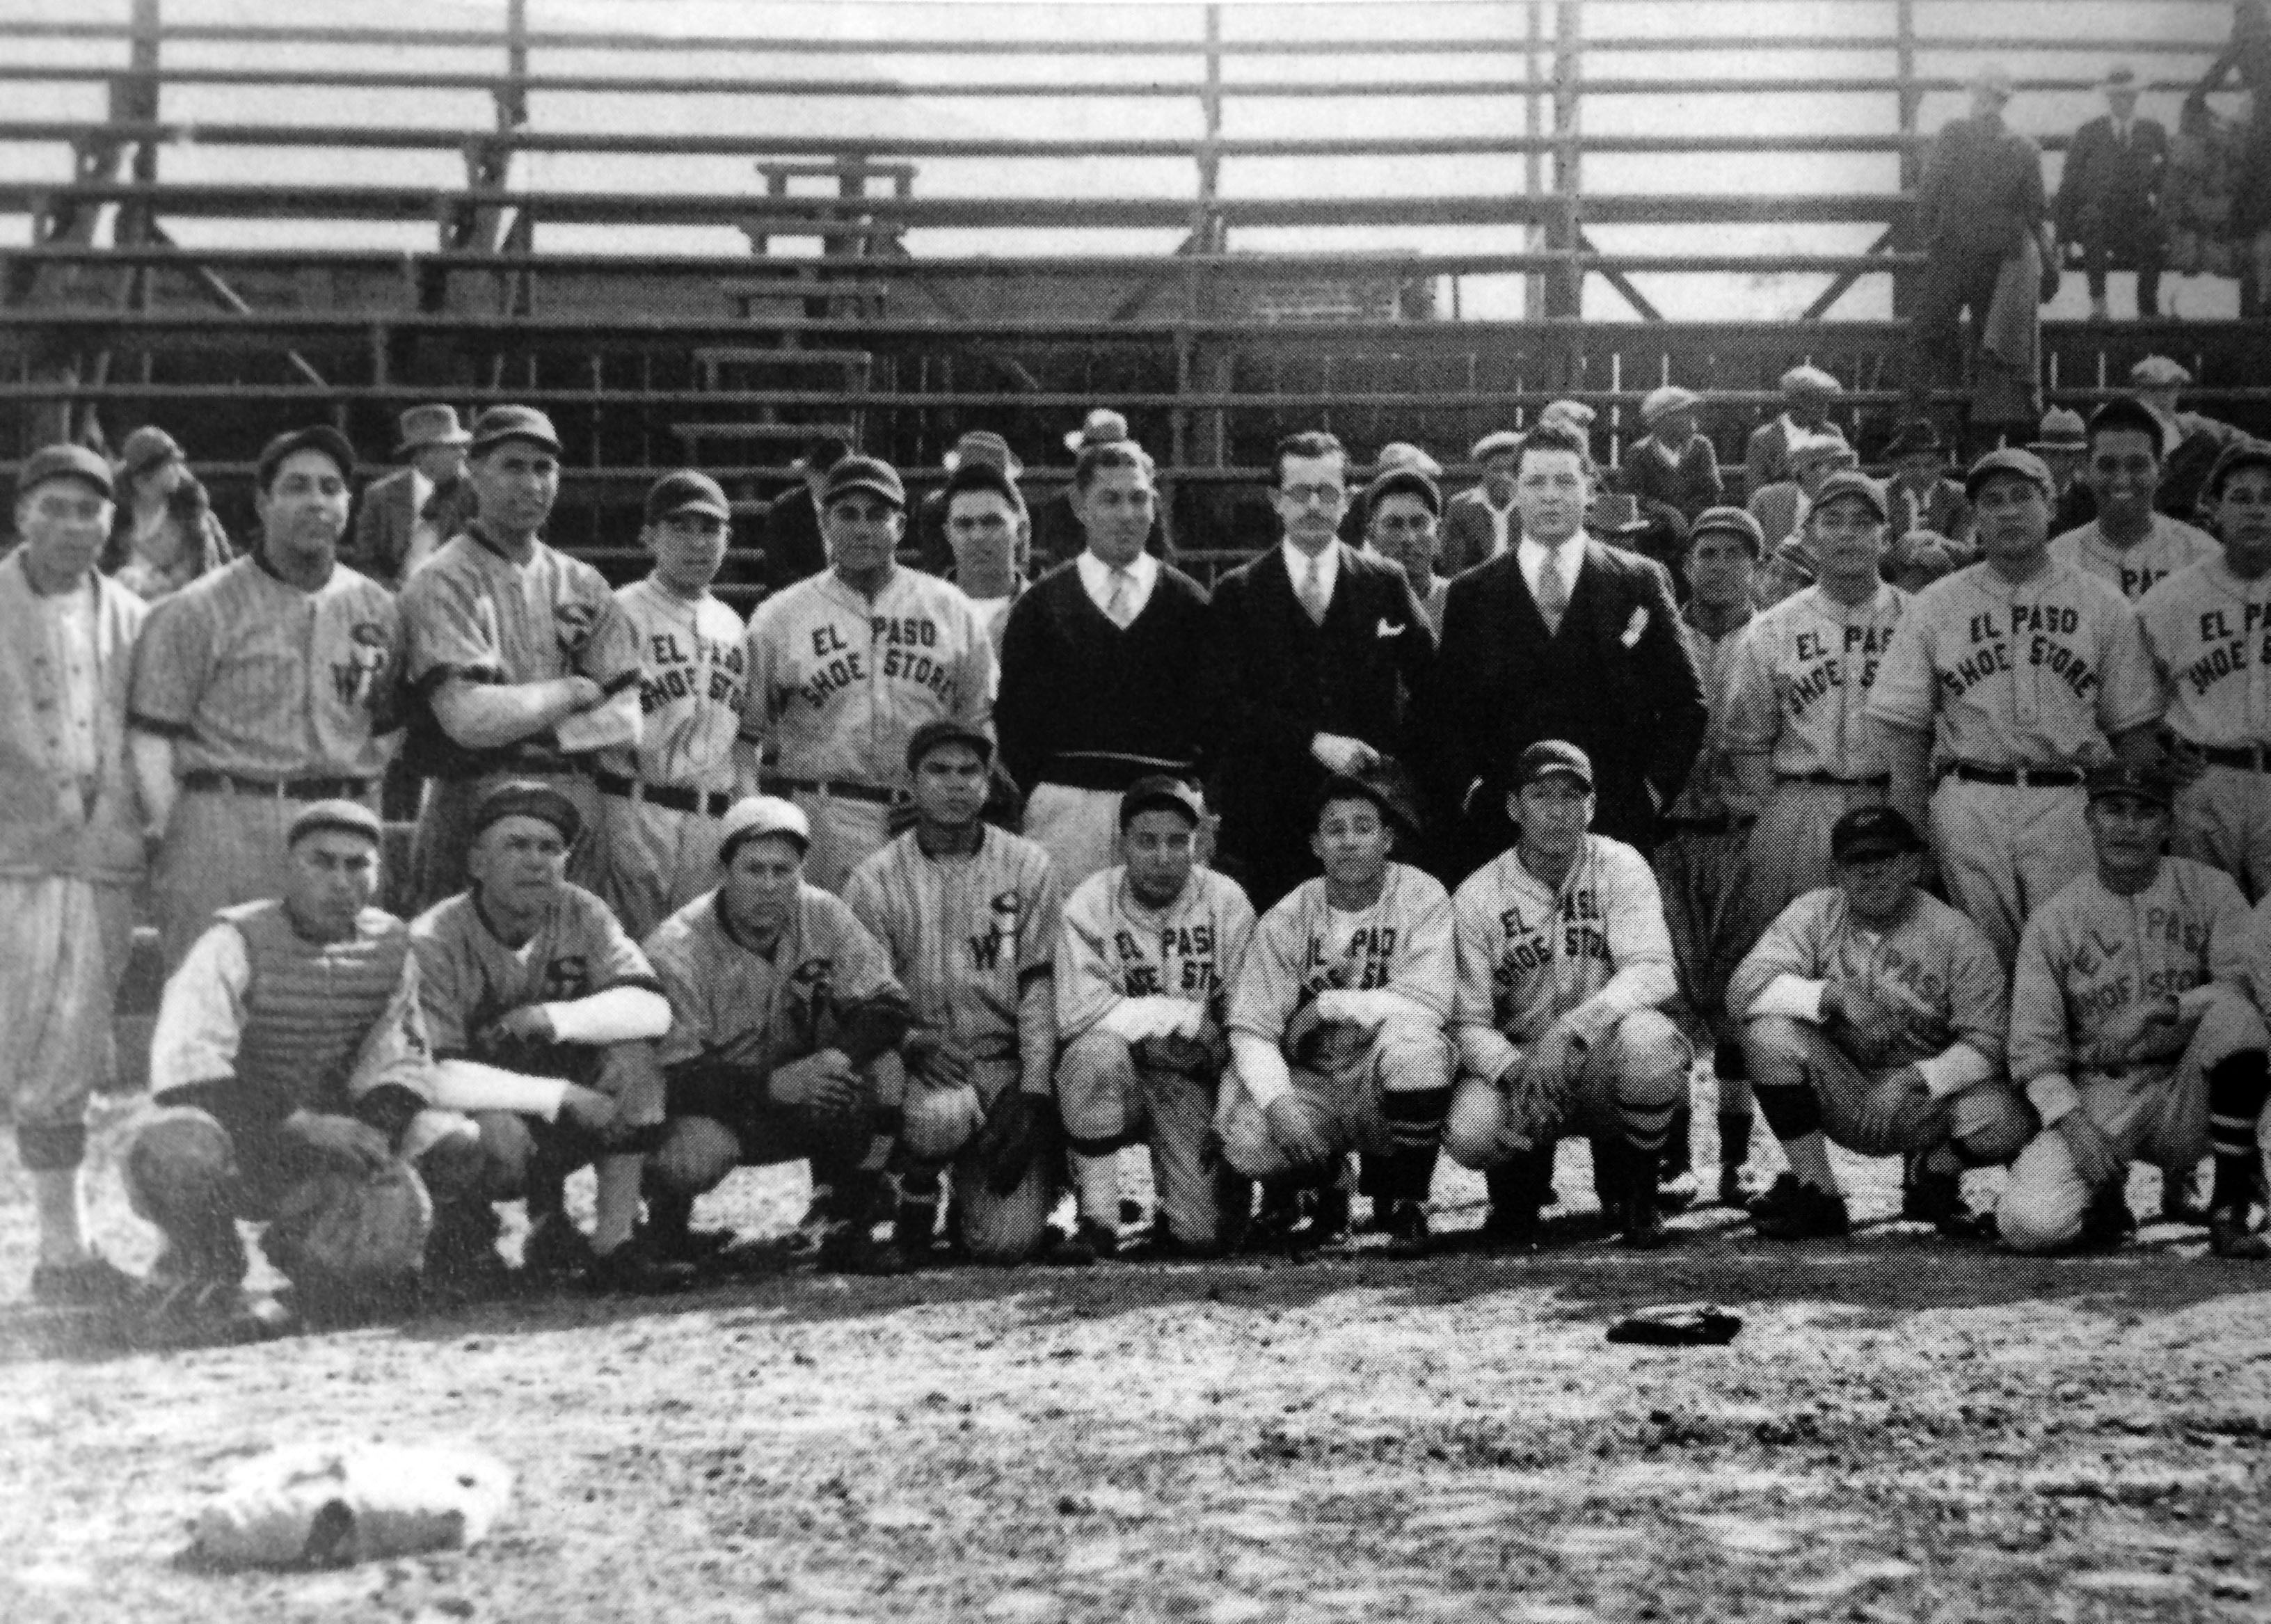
(1019, 1130)
(317, 1505)
(347, 1234)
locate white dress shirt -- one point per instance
(1328, 567)
(1096, 580)
(1531, 555)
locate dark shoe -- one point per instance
(556, 1247)
(1090, 1243)
(1512, 1227)
(852, 1249)
(1329, 1226)
(1734, 1189)
(2180, 1199)
(1233, 1206)
(1679, 1192)
(914, 1227)
(1937, 1199)
(2230, 1235)
(695, 1247)
(628, 1271)
(1796, 1210)
(1640, 1227)
(1409, 1234)
(93, 1283)
(208, 1311)
(2108, 1222)
(1276, 1228)
(464, 1281)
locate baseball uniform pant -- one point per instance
(1110, 1102)
(1349, 1103)
(63, 946)
(727, 1121)
(1078, 828)
(845, 833)
(653, 861)
(528, 1158)
(939, 1129)
(1988, 1122)
(1710, 908)
(1626, 1088)
(2224, 819)
(2156, 1114)
(220, 849)
(1789, 843)
(2005, 850)
(445, 830)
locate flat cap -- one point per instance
(499, 423)
(1729, 521)
(1670, 397)
(1160, 793)
(756, 818)
(1404, 454)
(350, 818)
(1549, 756)
(868, 474)
(146, 447)
(946, 730)
(1808, 379)
(1872, 832)
(1411, 482)
(983, 445)
(63, 462)
(2158, 372)
(690, 491)
(1493, 442)
(1818, 448)
(1101, 427)
(2009, 459)
(2154, 783)
(2237, 455)
(315, 437)
(529, 798)
(1573, 412)
(1387, 786)
(2062, 430)
(1853, 482)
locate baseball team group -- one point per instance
(1932, 828)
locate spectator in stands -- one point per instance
(1402, 507)
(1788, 570)
(1059, 537)
(934, 549)
(1674, 463)
(2196, 191)
(1930, 517)
(791, 523)
(2064, 447)
(1806, 392)
(1395, 454)
(1480, 524)
(2250, 54)
(405, 516)
(2190, 443)
(1781, 507)
(2109, 201)
(988, 533)
(165, 535)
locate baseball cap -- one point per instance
(869, 473)
(2153, 783)
(1386, 785)
(946, 730)
(2158, 372)
(146, 447)
(1807, 379)
(1492, 443)
(1411, 482)
(982, 445)
(1872, 832)
(1404, 454)
(347, 816)
(1852, 482)
(2239, 454)
(1160, 793)
(1729, 521)
(2125, 412)
(688, 490)
(1548, 757)
(2009, 459)
(2062, 430)
(315, 437)
(1669, 397)
(528, 798)
(63, 462)
(756, 818)
(1101, 426)
(514, 422)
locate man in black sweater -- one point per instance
(1103, 670)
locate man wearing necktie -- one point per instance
(2108, 197)
(1317, 652)
(1561, 637)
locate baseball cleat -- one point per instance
(1638, 1226)
(1937, 1199)
(1795, 1211)
(1678, 1191)
(94, 1282)
(628, 1271)
(852, 1249)
(555, 1247)
(1734, 1189)
(2230, 1235)
(1408, 1234)
(2180, 1199)
(2108, 1222)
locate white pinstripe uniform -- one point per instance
(2209, 635)
(2169, 546)
(838, 683)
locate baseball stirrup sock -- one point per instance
(1791, 1111)
(1647, 1126)
(1734, 1138)
(1676, 1154)
(2236, 1087)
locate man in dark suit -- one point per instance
(1317, 650)
(408, 514)
(1561, 637)
(791, 526)
(1480, 524)
(2109, 196)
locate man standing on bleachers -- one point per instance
(2108, 197)
(406, 515)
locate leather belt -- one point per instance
(2246, 758)
(2023, 778)
(1883, 781)
(204, 779)
(678, 798)
(840, 790)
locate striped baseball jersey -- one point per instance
(472, 613)
(247, 674)
(734, 1006)
(1798, 688)
(1711, 789)
(962, 933)
(693, 683)
(468, 977)
(2208, 634)
(1528, 953)
(1305, 946)
(2170, 545)
(1112, 948)
(839, 682)
(2039, 673)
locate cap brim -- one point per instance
(462, 438)
(897, 498)
(1870, 851)
(701, 504)
(529, 434)
(1571, 773)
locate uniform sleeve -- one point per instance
(1978, 994)
(973, 676)
(1903, 694)
(610, 655)
(1088, 982)
(395, 1052)
(2230, 940)
(863, 894)
(690, 1035)
(2159, 615)
(449, 636)
(1261, 1000)
(1786, 950)
(863, 964)
(1750, 711)
(1234, 926)
(173, 662)
(1640, 942)
(1426, 962)
(201, 1014)
(1044, 917)
(617, 961)
(2129, 694)
(441, 992)
(1484, 1049)
(763, 648)
(388, 706)
(2040, 1051)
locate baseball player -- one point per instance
(531, 977)
(2128, 546)
(1145, 966)
(2134, 1033)
(782, 1005)
(2208, 629)
(1564, 971)
(1874, 1017)
(1701, 857)
(660, 800)
(969, 915)
(291, 1043)
(1337, 1021)
(521, 662)
(2023, 672)
(846, 665)
(70, 845)
(259, 687)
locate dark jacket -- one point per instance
(791, 534)
(1982, 190)
(1689, 483)
(380, 539)
(2120, 181)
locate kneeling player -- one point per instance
(1565, 965)
(1143, 971)
(781, 1006)
(1336, 1020)
(2134, 1033)
(1874, 1018)
(969, 915)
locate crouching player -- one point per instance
(1874, 1018)
(543, 1015)
(290, 1046)
(783, 1011)
(1337, 1021)
(1143, 971)
(968, 916)
(2134, 1033)
(1565, 965)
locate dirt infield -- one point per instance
(1903, 1430)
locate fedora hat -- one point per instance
(422, 426)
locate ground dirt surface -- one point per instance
(1905, 1429)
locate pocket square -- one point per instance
(1386, 630)
(1634, 626)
